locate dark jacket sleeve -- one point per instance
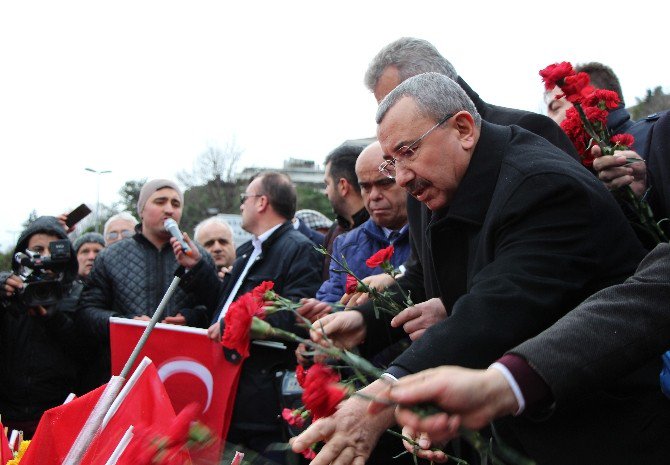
(610, 334)
(202, 283)
(93, 310)
(547, 128)
(544, 263)
(301, 278)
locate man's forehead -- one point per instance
(399, 123)
(370, 175)
(216, 229)
(165, 193)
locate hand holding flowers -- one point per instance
(586, 125)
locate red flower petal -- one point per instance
(380, 257)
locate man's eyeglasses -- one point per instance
(126, 233)
(388, 167)
(244, 196)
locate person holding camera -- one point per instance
(38, 341)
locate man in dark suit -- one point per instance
(518, 234)
(393, 64)
(277, 253)
(577, 360)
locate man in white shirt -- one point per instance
(277, 253)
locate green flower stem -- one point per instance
(388, 305)
(262, 330)
(416, 447)
(641, 207)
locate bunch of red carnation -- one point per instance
(586, 122)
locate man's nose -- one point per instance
(403, 176)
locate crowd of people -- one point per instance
(538, 315)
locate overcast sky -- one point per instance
(141, 88)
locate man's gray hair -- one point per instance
(207, 222)
(435, 96)
(411, 56)
(127, 216)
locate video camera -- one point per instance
(44, 277)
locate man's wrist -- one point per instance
(503, 400)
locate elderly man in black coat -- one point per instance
(519, 234)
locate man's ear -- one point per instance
(263, 203)
(465, 125)
(343, 187)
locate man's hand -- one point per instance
(187, 261)
(313, 309)
(616, 171)
(62, 220)
(350, 434)
(224, 271)
(142, 318)
(214, 332)
(423, 445)
(345, 329)
(178, 319)
(13, 284)
(415, 320)
(378, 281)
(38, 310)
(471, 398)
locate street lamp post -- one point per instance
(97, 207)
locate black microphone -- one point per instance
(172, 227)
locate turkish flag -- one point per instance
(142, 401)
(191, 366)
(58, 428)
(5, 452)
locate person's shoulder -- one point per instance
(295, 237)
(121, 248)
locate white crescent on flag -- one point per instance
(191, 367)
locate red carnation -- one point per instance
(554, 74)
(576, 87)
(260, 290)
(384, 255)
(293, 417)
(178, 434)
(596, 115)
(300, 374)
(309, 453)
(623, 141)
(607, 98)
(238, 321)
(573, 127)
(322, 393)
(351, 285)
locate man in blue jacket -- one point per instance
(386, 202)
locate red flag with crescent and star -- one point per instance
(192, 367)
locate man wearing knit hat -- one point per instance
(88, 246)
(131, 276)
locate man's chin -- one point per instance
(434, 203)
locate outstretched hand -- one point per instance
(416, 319)
(469, 398)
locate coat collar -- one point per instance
(480, 105)
(247, 247)
(473, 196)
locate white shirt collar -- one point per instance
(257, 242)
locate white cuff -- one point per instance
(512, 384)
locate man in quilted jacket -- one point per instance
(130, 277)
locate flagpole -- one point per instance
(154, 319)
(93, 422)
